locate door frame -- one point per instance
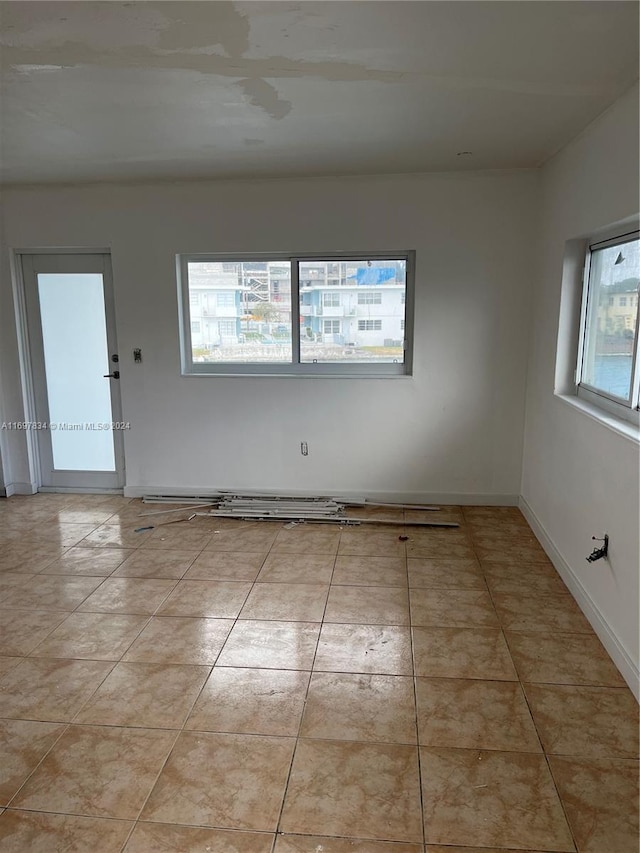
(27, 368)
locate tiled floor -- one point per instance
(236, 688)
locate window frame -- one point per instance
(628, 410)
(296, 367)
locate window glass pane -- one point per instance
(352, 311)
(611, 324)
(242, 312)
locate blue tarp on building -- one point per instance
(374, 275)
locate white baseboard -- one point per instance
(618, 653)
(445, 498)
(20, 489)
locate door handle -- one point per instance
(114, 375)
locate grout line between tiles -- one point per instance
(306, 696)
(423, 816)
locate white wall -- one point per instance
(454, 429)
(580, 478)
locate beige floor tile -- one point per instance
(251, 701)
(226, 565)
(289, 602)
(443, 573)
(529, 579)
(88, 561)
(437, 535)
(136, 513)
(59, 535)
(7, 663)
(44, 833)
(507, 564)
(132, 596)
(531, 585)
(504, 799)
(601, 801)
(305, 539)
(437, 848)
(503, 514)
(23, 743)
(22, 630)
(164, 838)
(28, 558)
(10, 535)
(548, 613)
(595, 722)
(51, 592)
(354, 789)
(504, 540)
(439, 548)
(216, 599)
(507, 514)
(471, 714)
(503, 560)
(559, 658)
(297, 568)
(462, 653)
(371, 542)
(370, 571)
(116, 536)
(10, 581)
(145, 563)
(368, 605)
(97, 771)
(349, 706)
(177, 538)
(72, 515)
(180, 639)
(97, 636)
(50, 690)
(505, 551)
(314, 843)
(444, 512)
(383, 649)
(453, 608)
(225, 780)
(154, 695)
(257, 538)
(271, 645)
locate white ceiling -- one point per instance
(143, 90)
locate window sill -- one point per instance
(624, 428)
(299, 375)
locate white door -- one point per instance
(75, 370)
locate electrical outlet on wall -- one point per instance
(304, 448)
